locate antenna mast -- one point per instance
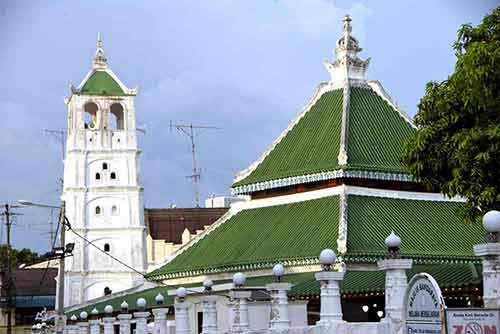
(192, 131)
(60, 135)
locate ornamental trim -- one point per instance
(322, 176)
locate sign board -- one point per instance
(473, 321)
(423, 306)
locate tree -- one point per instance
(18, 257)
(457, 146)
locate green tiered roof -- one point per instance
(304, 284)
(376, 134)
(101, 83)
(432, 231)
(429, 229)
(263, 236)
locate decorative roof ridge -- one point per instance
(344, 130)
(401, 194)
(235, 208)
(321, 176)
(321, 89)
(342, 235)
(377, 87)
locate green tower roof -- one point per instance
(101, 83)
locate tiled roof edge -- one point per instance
(360, 258)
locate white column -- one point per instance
(331, 308)
(490, 252)
(160, 315)
(396, 284)
(240, 311)
(95, 326)
(209, 314)
(108, 325)
(71, 329)
(141, 326)
(170, 326)
(279, 305)
(83, 327)
(182, 317)
(124, 320)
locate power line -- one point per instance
(122, 262)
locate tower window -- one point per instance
(97, 176)
(113, 176)
(116, 110)
(104, 166)
(114, 210)
(91, 121)
(107, 291)
(97, 210)
(106, 247)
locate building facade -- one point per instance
(102, 190)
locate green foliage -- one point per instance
(457, 146)
(18, 257)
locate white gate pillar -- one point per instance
(141, 324)
(83, 326)
(160, 316)
(182, 325)
(95, 326)
(108, 320)
(331, 307)
(396, 283)
(279, 318)
(124, 321)
(209, 304)
(239, 308)
(490, 252)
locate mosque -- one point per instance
(332, 179)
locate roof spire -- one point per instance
(348, 64)
(100, 60)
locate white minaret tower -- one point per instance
(104, 199)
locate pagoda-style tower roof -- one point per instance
(101, 80)
(350, 128)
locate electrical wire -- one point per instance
(125, 264)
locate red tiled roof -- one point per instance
(168, 224)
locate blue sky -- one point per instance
(246, 66)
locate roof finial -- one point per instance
(347, 24)
(100, 60)
(348, 64)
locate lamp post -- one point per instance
(60, 252)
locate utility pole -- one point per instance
(190, 131)
(7, 213)
(61, 321)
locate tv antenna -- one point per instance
(193, 131)
(60, 136)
